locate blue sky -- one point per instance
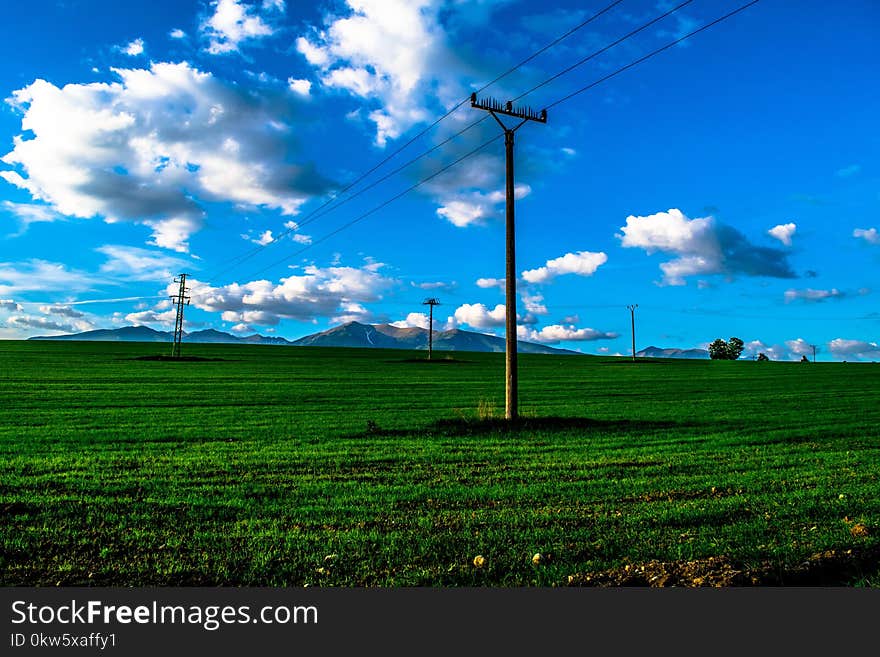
(729, 186)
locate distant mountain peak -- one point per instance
(661, 352)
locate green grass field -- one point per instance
(282, 466)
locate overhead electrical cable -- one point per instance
(553, 104)
(237, 260)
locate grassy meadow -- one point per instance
(283, 466)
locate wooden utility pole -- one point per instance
(632, 316)
(495, 108)
(180, 300)
(814, 352)
(431, 303)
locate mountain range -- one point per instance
(658, 352)
(352, 334)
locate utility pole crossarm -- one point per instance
(497, 107)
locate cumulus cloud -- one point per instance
(703, 247)
(854, 349)
(582, 263)
(234, 22)
(534, 303)
(134, 263)
(811, 295)
(46, 324)
(58, 318)
(870, 235)
(164, 319)
(479, 316)
(556, 333)
(491, 282)
(149, 147)
(392, 52)
(463, 207)
(414, 320)
(301, 87)
(177, 33)
(783, 232)
(335, 292)
(62, 311)
(134, 48)
(788, 350)
(9, 304)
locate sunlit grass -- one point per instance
(288, 466)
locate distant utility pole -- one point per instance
(180, 300)
(814, 352)
(495, 108)
(632, 316)
(431, 302)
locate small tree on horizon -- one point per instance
(762, 356)
(730, 350)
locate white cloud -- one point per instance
(30, 213)
(799, 347)
(302, 239)
(234, 22)
(809, 294)
(131, 262)
(491, 282)
(134, 48)
(414, 320)
(262, 239)
(434, 285)
(479, 316)
(534, 303)
(870, 235)
(147, 317)
(703, 247)
(47, 324)
(42, 276)
(335, 292)
(463, 208)
(9, 304)
(854, 349)
(556, 333)
(62, 311)
(783, 232)
(177, 33)
(395, 53)
(301, 87)
(144, 149)
(582, 263)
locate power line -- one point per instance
(553, 104)
(234, 262)
(383, 204)
(595, 54)
(652, 54)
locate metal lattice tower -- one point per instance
(180, 300)
(495, 108)
(431, 303)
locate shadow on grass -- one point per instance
(493, 426)
(175, 359)
(446, 360)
